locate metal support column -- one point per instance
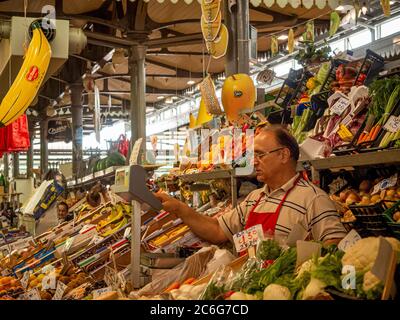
(29, 153)
(231, 24)
(135, 244)
(44, 149)
(6, 166)
(15, 165)
(77, 128)
(243, 36)
(137, 55)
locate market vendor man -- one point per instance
(285, 200)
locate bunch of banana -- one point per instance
(29, 78)
(161, 240)
(214, 31)
(117, 214)
(111, 229)
(344, 133)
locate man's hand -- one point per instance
(170, 204)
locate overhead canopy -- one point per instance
(171, 31)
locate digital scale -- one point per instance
(130, 184)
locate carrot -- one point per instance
(189, 281)
(173, 286)
(361, 137)
(375, 133)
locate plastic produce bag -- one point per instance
(219, 284)
(192, 267)
(17, 135)
(221, 257)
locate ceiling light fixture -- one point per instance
(283, 37)
(160, 97)
(191, 82)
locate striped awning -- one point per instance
(320, 4)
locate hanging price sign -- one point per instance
(25, 279)
(349, 240)
(59, 290)
(340, 106)
(248, 238)
(393, 124)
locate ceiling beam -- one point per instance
(188, 39)
(181, 73)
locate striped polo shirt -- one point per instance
(306, 205)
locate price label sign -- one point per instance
(59, 290)
(96, 239)
(349, 240)
(99, 292)
(248, 238)
(111, 278)
(393, 124)
(340, 106)
(25, 279)
(384, 184)
(33, 294)
(127, 232)
(68, 244)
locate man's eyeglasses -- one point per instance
(260, 155)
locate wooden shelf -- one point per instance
(357, 160)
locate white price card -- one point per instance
(384, 184)
(135, 152)
(340, 106)
(127, 232)
(33, 294)
(96, 239)
(111, 278)
(5, 272)
(59, 290)
(99, 292)
(349, 240)
(68, 244)
(25, 279)
(248, 238)
(393, 124)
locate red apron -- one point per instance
(267, 219)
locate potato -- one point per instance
(343, 195)
(396, 216)
(390, 193)
(365, 186)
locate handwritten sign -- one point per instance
(111, 278)
(349, 240)
(135, 152)
(384, 184)
(33, 295)
(59, 290)
(99, 292)
(68, 244)
(248, 238)
(96, 239)
(393, 124)
(340, 106)
(127, 232)
(25, 279)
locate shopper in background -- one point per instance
(62, 212)
(285, 200)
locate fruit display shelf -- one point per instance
(107, 174)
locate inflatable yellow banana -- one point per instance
(29, 78)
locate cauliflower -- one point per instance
(276, 292)
(370, 281)
(363, 253)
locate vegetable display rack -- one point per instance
(370, 67)
(292, 88)
(375, 220)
